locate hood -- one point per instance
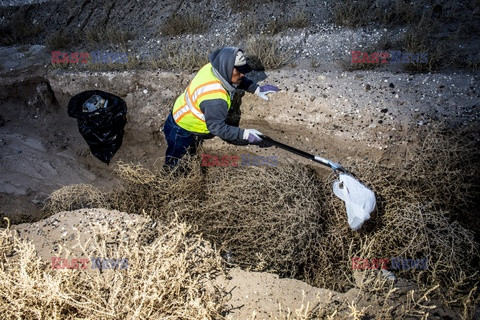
(223, 60)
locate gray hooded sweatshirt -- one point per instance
(216, 110)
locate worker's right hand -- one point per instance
(253, 136)
(262, 91)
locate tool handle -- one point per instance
(288, 148)
(304, 154)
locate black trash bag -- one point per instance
(103, 128)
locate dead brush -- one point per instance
(111, 35)
(293, 225)
(175, 56)
(267, 52)
(167, 278)
(298, 20)
(250, 26)
(74, 197)
(355, 14)
(274, 26)
(423, 208)
(61, 40)
(305, 311)
(19, 31)
(419, 38)
(240, 6)
(158, 194)
(399, 12)
(443, 171)
(275, 228)
(6, 243)
(352, 13)
(178, 24)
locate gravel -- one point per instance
(12, 3)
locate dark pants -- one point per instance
(180, 141)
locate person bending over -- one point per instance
(201, 110)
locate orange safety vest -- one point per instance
(204, 86)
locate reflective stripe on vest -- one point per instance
(189, 102)
(188, 107)
(208, 88)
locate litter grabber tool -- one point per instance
(359, 200)
(334, 166)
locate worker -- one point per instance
(201, 110)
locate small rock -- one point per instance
(385, 110)
(368, 87)
(391, 85)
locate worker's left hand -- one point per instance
(252, 136)
(263, 90)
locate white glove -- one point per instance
(262, 91)
(252, 135)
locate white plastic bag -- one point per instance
(359, 200)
